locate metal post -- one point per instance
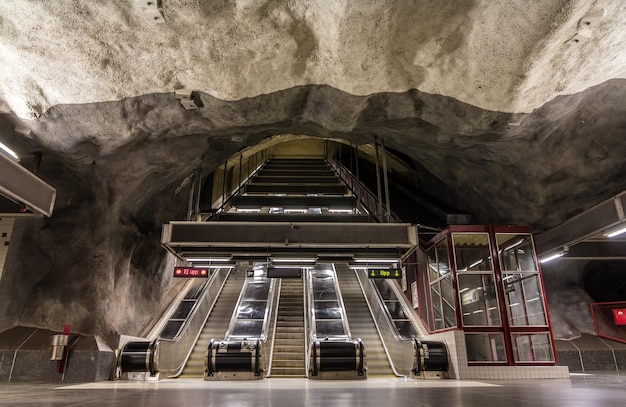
(240, 178)
(351, 164)
(387, 202)
(358, 179)
(224, 185)
(36, 162)
(190, 204)
(198, 182)
(378, 187)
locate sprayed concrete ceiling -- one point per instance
(473, 91)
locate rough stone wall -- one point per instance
(97, 263)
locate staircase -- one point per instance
(362, 324)
(217, 324)
(289, 351)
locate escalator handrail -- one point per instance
(188, 338)
(390, 335)
(311, 310)
(191, 314)
(268, 308)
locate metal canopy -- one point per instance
(24, 188)
(583, 236)
(265, 238)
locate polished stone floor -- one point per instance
(580, 390)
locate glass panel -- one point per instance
(251, 310)
(406, 329)
(327, 310)
(485, 347)
(324, 289)
(433, 269)
(183, 310)
(479, 303)
(437, 314)
(447, 298)
(257, 291)
(524, 299)
(248, 329)
(472, 252)
(329, 328)
(395, 309)
(171, 329)
(442, 257)
(516, 252)
(532, 348)
(384, 289)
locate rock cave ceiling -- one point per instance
(518, 109)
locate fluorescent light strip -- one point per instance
(9, 151)
(550, 258)
(211, 259)
(293, 260)
(288, 266)
(376, 260)
(617, 232)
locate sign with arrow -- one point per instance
(384, 273)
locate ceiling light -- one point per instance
(555, 255)
(210, 259)
(293, 260)
(616, 232)
(9, 152)
(376, 260)
(550, 258)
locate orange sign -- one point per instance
(191, 272)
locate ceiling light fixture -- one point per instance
(376, 260)
(210, 259)
(9, 152)
(616, 232)
(555, 255)
(293, 260)
(552, 257)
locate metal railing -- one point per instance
(367, 199)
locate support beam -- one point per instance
(21, 186)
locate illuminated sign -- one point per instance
(619, 315)
(191, 272)
(384, 273)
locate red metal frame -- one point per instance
(506, 328)
(595, 322)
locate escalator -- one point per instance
(288, 356)
(240, 354)
(333, 352)
(362, 324)
(216, 325)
